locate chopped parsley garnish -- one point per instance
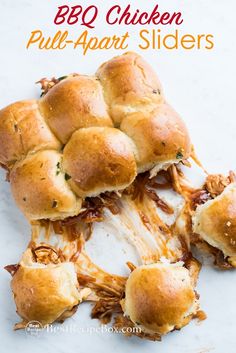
(62, 78)
(58, 168)
(67, 177)
(54, 204)
(155, 91)
(179, 155)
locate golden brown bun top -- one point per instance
(160, 297)
(75, 103)
(130, 85)
(40, 188)
(160, 136)
(45, 293)
(23, 130)
(98, 160)
(105, 129)
(215, 221)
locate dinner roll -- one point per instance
(130, 85)
(45, 293)
(74, 103)
(215, 222)
(23, 129)
(160, 297)
(160, 136)
(40, 189)
(99, 159)
(105, 128)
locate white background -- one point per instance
(200, 85)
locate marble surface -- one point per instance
(201, 87)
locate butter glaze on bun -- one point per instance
(105, 128)
(215, 222)
(45, 293)
(23, 129)
(98, 160)
(130, 85)
(74, 103)
(160, 297)
(40, 188)
(160, 136)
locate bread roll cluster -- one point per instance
(88, 135)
